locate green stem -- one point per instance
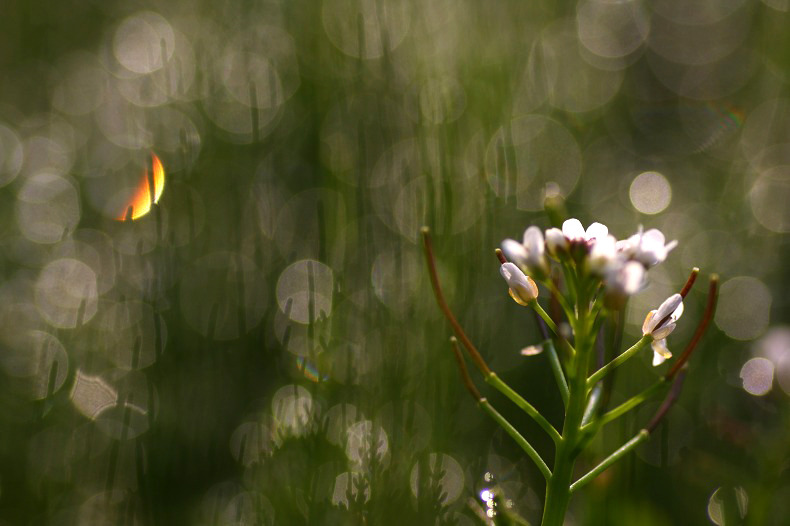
(632, 402)
(592, 405)
(628, 353)
(543, 314)
(611, 459)
(549, 283)
(570, 279)
(558, 493)
(515, 435)
(525, 406)
(554, 359)
(556, 368)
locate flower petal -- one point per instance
(603, 254)
(556, 240)
(514, 251)
(596, 231)
(632, 277)
(573, 229)
(533, 242)
(653, 237)
(521, 287)
(660, 352)
(669, 306)
(647, 324)
(663, 331)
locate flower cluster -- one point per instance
(618, 266)
(590, 275)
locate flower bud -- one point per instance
(521, 287)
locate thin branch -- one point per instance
(556, 368)
(643, 435)
(669, 401)
(545, 316)
(437, 290)
(525, 406)
(631, 403)
(710, 309)
(624, 356)
(640, 437)
(515, 435)
(541, 327)
(689, 282)
(470, 386)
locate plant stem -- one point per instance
(611, 459)
(515, 435)
(525, 406)
(631, 403)
(628, 353)
(556, 368)
(543, 314)
(558, 489)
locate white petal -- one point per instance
(513, 275)
(596, 231)
(533, 242)
(660, 352)
(657, 359)
(633, 277)
(625, 247)
(667, 309)
(555, 240)
(573, 229)
(521, 288)
(668, 248)
(646, 325)
(663, 331)
(669, 306)
(603, 254)
(678, 313)
(653, 237)
(514, 251)
(507, 270)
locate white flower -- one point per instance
(556, 241)
(624, 280)
(573, 233)
(529, 255)
(649, 248)
(604, 256)
(660, 323)
(521, 287)
(515, 252)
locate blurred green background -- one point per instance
(263, 347)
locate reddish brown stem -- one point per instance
(437, 291)
(710, 309)
(666, 405)
(470, 386)
(689, 282)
